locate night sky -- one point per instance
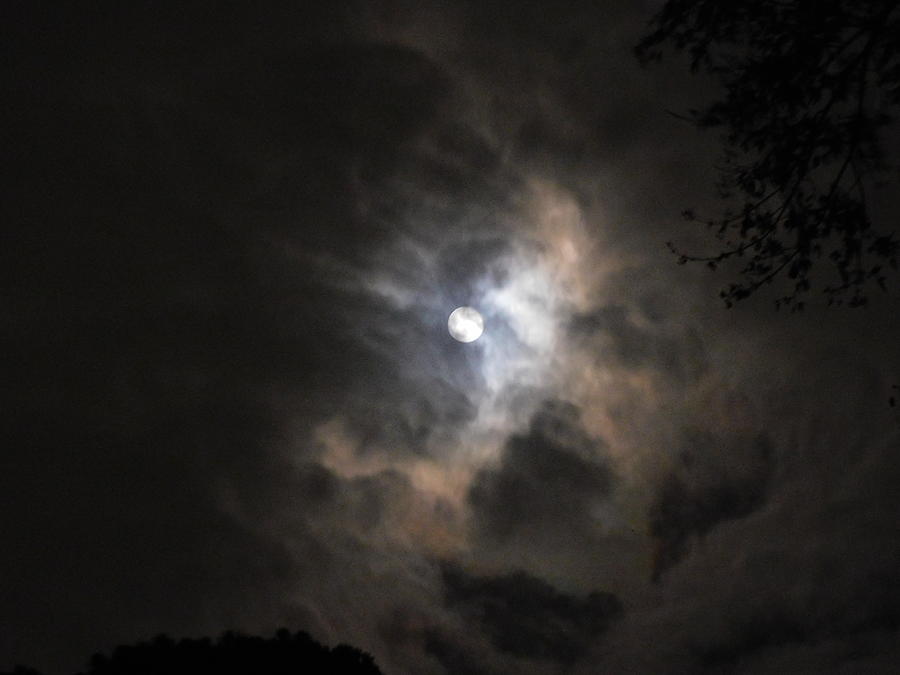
(232, 236)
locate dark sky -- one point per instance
(232, 236)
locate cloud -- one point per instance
(235, 239)
(551, 501)
(636, 341)
(795, 576)
(525, 616)
(715, 480)
(547, 483)
(455, 658)
(193, 248)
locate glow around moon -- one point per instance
(465, 324)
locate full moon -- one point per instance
(465, 324)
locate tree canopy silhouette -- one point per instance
(231, 654)
(807, 89)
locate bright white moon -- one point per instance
(465, 324)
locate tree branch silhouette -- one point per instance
(807, 89)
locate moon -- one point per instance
(465, 324)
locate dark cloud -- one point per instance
(547, 482)
(454, 657)
(784, 629)
(797, 579)
(616, 336)
(715, 480)
(781, 629)
(550, 503)
(526, 616)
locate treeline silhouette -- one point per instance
(232, 653)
